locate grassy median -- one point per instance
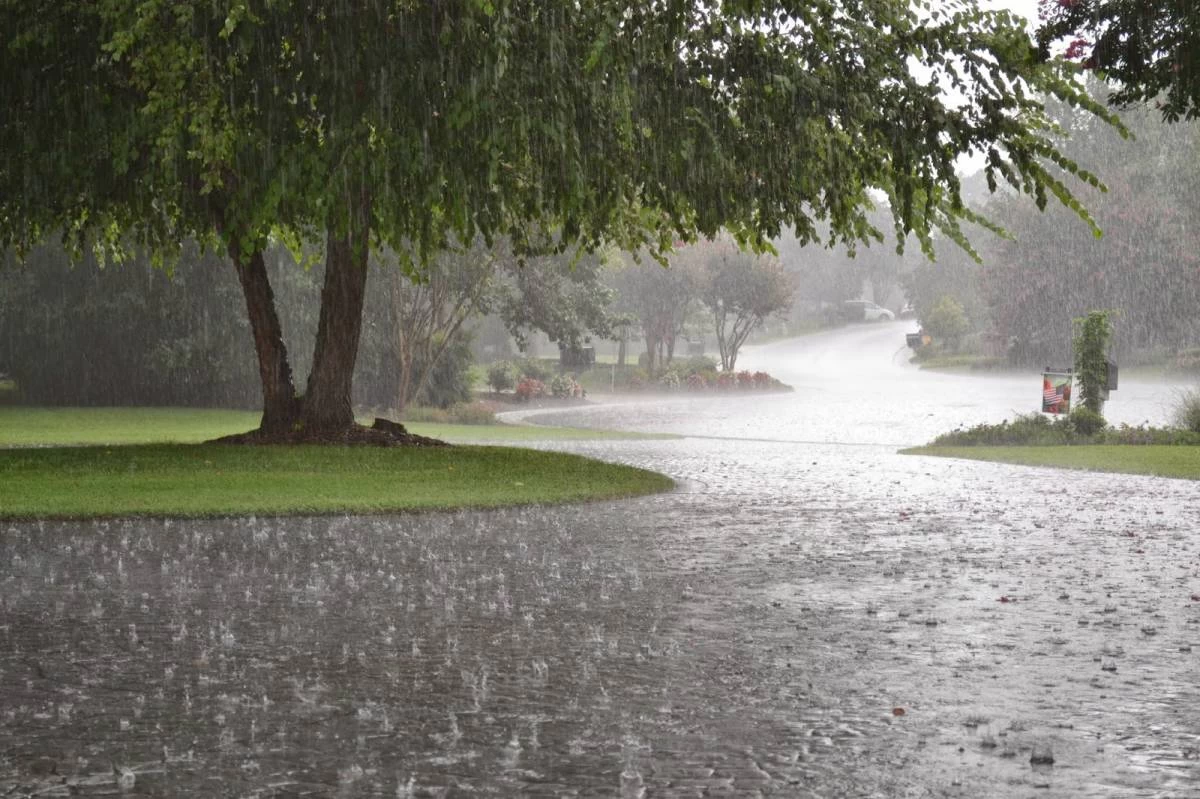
(1160, 460)
(49, 470)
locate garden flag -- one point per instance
(1056, 392)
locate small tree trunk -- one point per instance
(327, 407)
(651, 351)
(281, 407)
(404, 387)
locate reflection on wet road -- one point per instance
(799, 619)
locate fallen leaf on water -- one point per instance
(897, 711)
(1006, 599)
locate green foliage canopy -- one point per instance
(1151, 51)
(475, 116)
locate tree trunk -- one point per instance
(651, 350)
(404, 387)
(327, 407)
(281, 407)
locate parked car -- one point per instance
(866, 311)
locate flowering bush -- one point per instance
(696, 382)
(670, 380)
(745, 380)
(529, 388)
(564, 386)
(725, 381)
(762, 380)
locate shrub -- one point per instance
(502, 376)
(1087, 422)
(947, 322)
(697, 382)
(563, 386)
(1187, 410)
(1029, 428)
(745, 380)
(535, 368)
(725, 381)
(473, 413)
(670, 380)
(1149, 435)
(529, 388)
(460, 413)
(696, 364)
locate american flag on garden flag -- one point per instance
(1056, 392)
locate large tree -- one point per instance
(1149, 50)
(410, 124)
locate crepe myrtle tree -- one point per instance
(145, 123)
(741, 290)
(560, 295)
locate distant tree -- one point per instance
(741, 290)
(1053, 269)
(562, 296)
(1148, 49)
(427, 313)
(659, 298)
(413, 124)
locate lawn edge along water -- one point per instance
(26, 426)
(1177, 461)
(215, 480)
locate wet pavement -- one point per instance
(810, 614)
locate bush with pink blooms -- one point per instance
(530, 388)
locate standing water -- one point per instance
(811, 614)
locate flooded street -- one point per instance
(809, 614)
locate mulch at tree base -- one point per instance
(383, 433)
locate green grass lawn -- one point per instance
(95, 463)
(43, 427)
(1163, 461)
(197, 480)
